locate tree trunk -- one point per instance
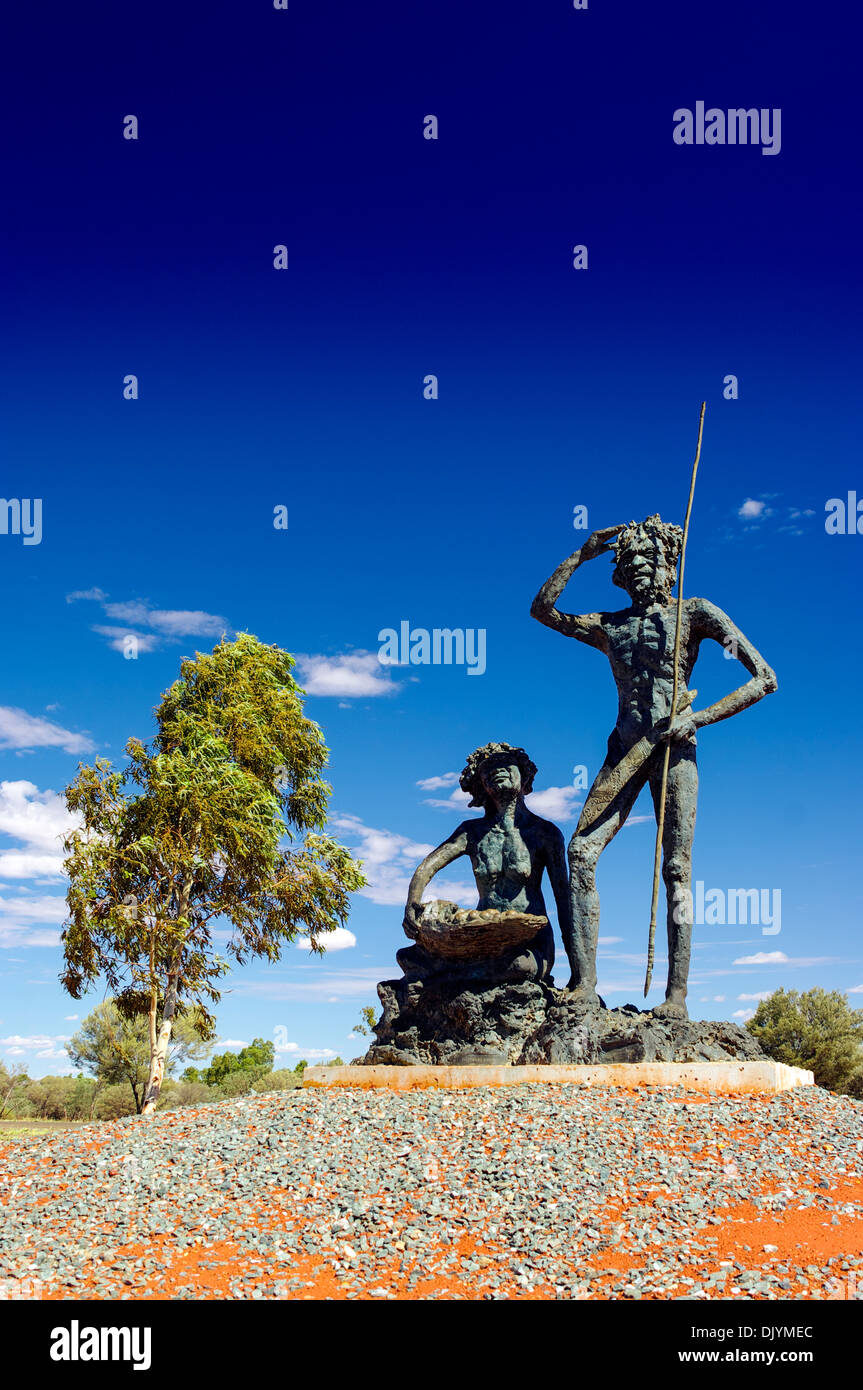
(94, 1097)
(159, 1045)
(154, 998)
(159, 1053)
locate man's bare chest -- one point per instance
(642, 644)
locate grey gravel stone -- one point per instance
(381, 1188)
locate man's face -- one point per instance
(644, 572)
(498, 775)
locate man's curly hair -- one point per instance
(470, 778)
(634, 537)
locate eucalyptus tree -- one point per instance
(220, 818)
(116, 1050)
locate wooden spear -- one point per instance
(660, 819)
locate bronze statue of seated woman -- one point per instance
(508, 937)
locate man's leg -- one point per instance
(583, 854)
(680, 805)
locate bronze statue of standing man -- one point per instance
(639, 643)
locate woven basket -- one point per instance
(446, 930)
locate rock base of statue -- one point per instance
(442, 1023)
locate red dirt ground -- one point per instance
(802, 1236)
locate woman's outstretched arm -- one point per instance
(451, 849)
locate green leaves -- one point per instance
(194, 829)
(817, 1030)
(113, 1045)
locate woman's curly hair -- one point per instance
(470, 778)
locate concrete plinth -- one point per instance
(715, 1077)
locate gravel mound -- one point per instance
(546, 1192)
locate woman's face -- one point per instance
(500, 776)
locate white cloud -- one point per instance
(98, 595)
(762, 994)
(609, 940)
(39, 820)
(457, 891)
(170, 622)
(18, 917)
(70, 1018)
(145, 642)
(743, 1014)
(44, 909)
(18, 729)
(763, 958)
(133, 611)
(339, 940)
(632, 987)
(353, 673)
(755, 511)
(312, 982)
(380, 846)
(165, 624)
(388, 859)
(456, 802)
(433, 784)
(41, 1043)
(19, 864)
(311, 1054)
(387, 885)
(555, 803)
(705, 945)
(20, 938)
(857, 989)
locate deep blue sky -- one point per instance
(557, 387)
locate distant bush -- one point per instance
(190, 1093)
(13, 1092)
(113, 1102)
(817, 1030)
(116, 1049)
(255, 1081)
(240, 1083)
(19, 1106)
(48, 1098)
(284, 1080)
(257, 1057)
(82, 1098)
